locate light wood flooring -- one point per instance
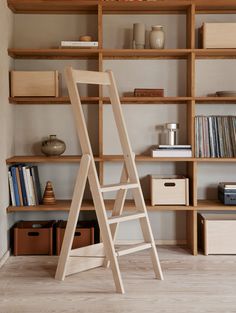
(192, 284)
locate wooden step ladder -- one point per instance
(103, 254)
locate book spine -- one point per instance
(31, 188)
(196, 137)
(23, 187)
(26, 185)
(19, 186)
(37, 184)
(13, 201)
(15, 186)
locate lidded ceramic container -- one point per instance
(53, 146)
(157, 37)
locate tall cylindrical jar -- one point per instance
(157, 37)
(138, 36)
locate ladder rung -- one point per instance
(126, 217)
(114, 187)
(134, 248)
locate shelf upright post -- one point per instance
(100, 108)
(191, 166)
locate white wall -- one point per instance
(32, 123)
(6, 123)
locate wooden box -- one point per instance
(34, 84)
(217, 233)
(84, 235)
(168, 190)
(33, 237)
(218, 35)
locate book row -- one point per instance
(24, 185)
(215, 136)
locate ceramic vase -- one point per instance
(138, 36)
(157, 37)
(53, 146)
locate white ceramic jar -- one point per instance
(157, 37)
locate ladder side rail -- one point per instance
(104, 227)
(80, 123)
(133, 174)
(124, 139)
(73, 217)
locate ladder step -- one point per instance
(126, 217)
(115, 187)
(134, 248)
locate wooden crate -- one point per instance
(34, 84)
(84, 235)
(217, 233)
(33, 237)
(167, 190)
(218, 35)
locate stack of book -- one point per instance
(24, 185)
(148, 92)
(215, 136)
(79, 44)
(182, 151)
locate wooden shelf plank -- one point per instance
(213, 205)
(50, 100)
(54, 53)
(151, 7)
(215, 100)
(52, 6)
(153, 100)
(215, 53)
(61, 205)
(145, 53)
(107, 158)
(145, 158)
(112, 7)
(92, 53)
(124, 100)
(95, 100)
(64, 205)
(215, 160)
(46, 159)
(59, 53)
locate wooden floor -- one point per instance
(192, 284)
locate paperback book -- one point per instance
(79, 44)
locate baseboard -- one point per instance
(173, 242)
(4, 258)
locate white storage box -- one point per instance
(166, 190)
(218, 233)
(218, 35)
(34, 84)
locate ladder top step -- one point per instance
(126, 217)
(133, 248)
(115, 187)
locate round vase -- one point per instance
(157, 37)
(53, 146)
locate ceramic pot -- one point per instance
(157, 37)
(53, 146)
(138, 35)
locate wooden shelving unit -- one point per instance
(190, 54)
